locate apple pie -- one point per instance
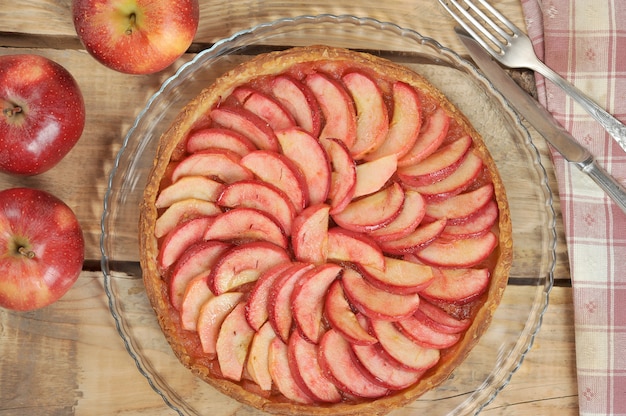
(323, 232)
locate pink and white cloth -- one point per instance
(585, 41)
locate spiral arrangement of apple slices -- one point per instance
(324, 233)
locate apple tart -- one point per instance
(323, 232)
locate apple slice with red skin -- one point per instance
(457, 286)
(401, 348)
(276, 169)
(219, 138)
(258, 299)
(432, 133)
(440, 320)
(246, 224)
(373, 211)
(337, 108)
(247, 124)
(400, 276)
(405, 123)
(424, 234)
(266, 107)
(280, 370)
(409, 218)
(350, 246)
(371, 176)
(343, 176)
(257, 365)
(196, 260)
(182, 211)
(279, 304)
(213, 163)
(457, 182)
(339, 314)
(306, 152)
(437, 166)
(425, 335)
(180, 239)
(309, 238)
(307, 372)
(458, 208)
(243, 264)
(211, 317)
(466, 252)
(194, 187)
(262, 196)
(376, 303)
(339, 363)
(233, 343)
(197, 292)
(299, 100)
(478, 224)
(307, 299)
(372, 121)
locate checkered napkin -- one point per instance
(585, 41)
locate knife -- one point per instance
(543, 121)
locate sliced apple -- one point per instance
(189, 187)
(401, 348)
(460, 252)
(372, 118)
(341, 317)
(298, 99)
(343, 176)
(409, 218)
(258, 300)
(309, 239)
(182, 211)
(373, 211)
(425, 335)
(180, 239)
(280, 370)
(460, 207)
(437, 166)
(376, 303)
(383, 370)
(276, 169)
(212, 315)
(214, 163)
(405, 124)
(246, 224)
(197, 292)
(371, 176)
(257, 365)
(307, 154)
(478, 224)
(440, 320)
(350, 246)
(307, 372)
(337, 107)
(269, 109)
(400, 276)
(233, 343)
(262, 196)
(423, 235)
(198, 259)
(247, 124)
(432, 133)
(458, 286)
(212, 138)
(244, 264)
(340, 364)
(307, 300)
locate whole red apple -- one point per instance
(41, 248)
(43, 113)
(136, 36)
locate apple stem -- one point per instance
(132, 22)
(9, 112)
(26, 252)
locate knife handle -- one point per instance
(609, 184)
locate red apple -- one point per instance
(43, 114)
(42, 248)
(136, 36)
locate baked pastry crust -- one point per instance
(171, 148)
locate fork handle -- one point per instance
(613, 126)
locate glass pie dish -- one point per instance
(502, 348)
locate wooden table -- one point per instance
(68, 358)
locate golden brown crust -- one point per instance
(274, 63)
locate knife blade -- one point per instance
(543, 121)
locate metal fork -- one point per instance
(512, 48)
